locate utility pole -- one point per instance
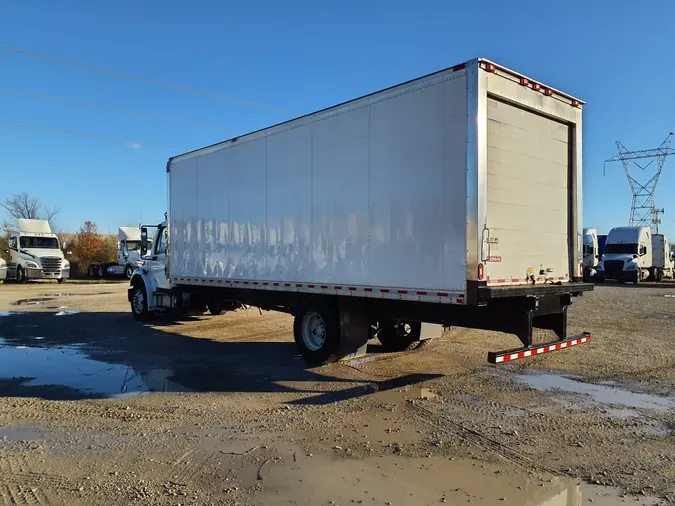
(643, 209)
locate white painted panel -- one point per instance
(183, 213)
(528, 194)
(246, 238)
(289, 191)
(213, 214)
(340, 231)
(407, 175)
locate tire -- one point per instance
(316, 331)
(129, 271)
(399, 336)
(102, 271)
(215, 307)
(93, 271)
(61, 281)
(659, 275)
(20, 275)
(139, 302)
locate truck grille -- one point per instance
(613, 268)
(51, 265)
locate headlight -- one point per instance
(32, 265)
(66, 265)
(601, 267)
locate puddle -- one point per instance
(61, 294)
(68, 371)
(68, 312)
(32, 302)
(22, 433)
(601, 394)
(4, 313)
(663, 316)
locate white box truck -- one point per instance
(663, 259)
(627, 255)
(452, 199)
(128, 256)
(35, 253)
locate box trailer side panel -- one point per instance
(370, 194)
(532, 216)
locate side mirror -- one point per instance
(144, 241)
(64, 245)
(125, 254)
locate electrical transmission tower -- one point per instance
(643, 210)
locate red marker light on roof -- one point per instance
(548, 92)
(536, 86)
(490, 67)
(524, 81)
(575, 103)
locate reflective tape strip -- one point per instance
(500, 357)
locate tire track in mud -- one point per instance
(471, 436)
(13, 494)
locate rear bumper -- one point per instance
(487, 293)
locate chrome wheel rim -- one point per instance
(313, 331)
(138, 301)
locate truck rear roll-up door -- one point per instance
(527, 196)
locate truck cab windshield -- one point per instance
(39, 242)
(628, 249)
(133, 245)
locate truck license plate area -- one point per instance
(498, 357)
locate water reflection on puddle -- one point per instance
(601, 394)
(68, 368)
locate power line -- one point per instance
(131, 112)
(137, 78)
(130, 142)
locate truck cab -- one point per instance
(627, 255)
(3, 269)
(34, 253)
(591, 254)
(663, 258)
(128, 256)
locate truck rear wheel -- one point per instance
(316, 331)
(399, 335)
(93, 271)
(215, 307)
(139, 302)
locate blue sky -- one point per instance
(302, 56)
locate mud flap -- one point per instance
(354, 329)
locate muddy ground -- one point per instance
(96, 408)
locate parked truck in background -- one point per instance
(3, 270)
(602, 239)
(452, 199)
(663, 259)
(591, 253)
(34, 253)
(128, 256)
(627, 255)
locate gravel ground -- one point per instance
(96, 408)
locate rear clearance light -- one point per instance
(581, 269)
(575, 103)
(524, 81)
(489, 67)
(481, 272)
(536, 86)
(548, 92)
(508, 356)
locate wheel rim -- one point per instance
(138, 301)
(129, 272)
(313, 331)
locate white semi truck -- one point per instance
(128, 256)
(591, 253)
(627, 255)
(3, 270)
(34, 253)
(663, 259)
(452, 199)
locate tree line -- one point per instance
(84, 247)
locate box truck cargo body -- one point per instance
(451, 199)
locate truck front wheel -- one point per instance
(128, 271)
(317, 334)
(139, 302)
(20, 274)
(93, 271)
(399, 335)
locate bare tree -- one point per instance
(22, 205)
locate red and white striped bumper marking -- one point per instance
(507, 356)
